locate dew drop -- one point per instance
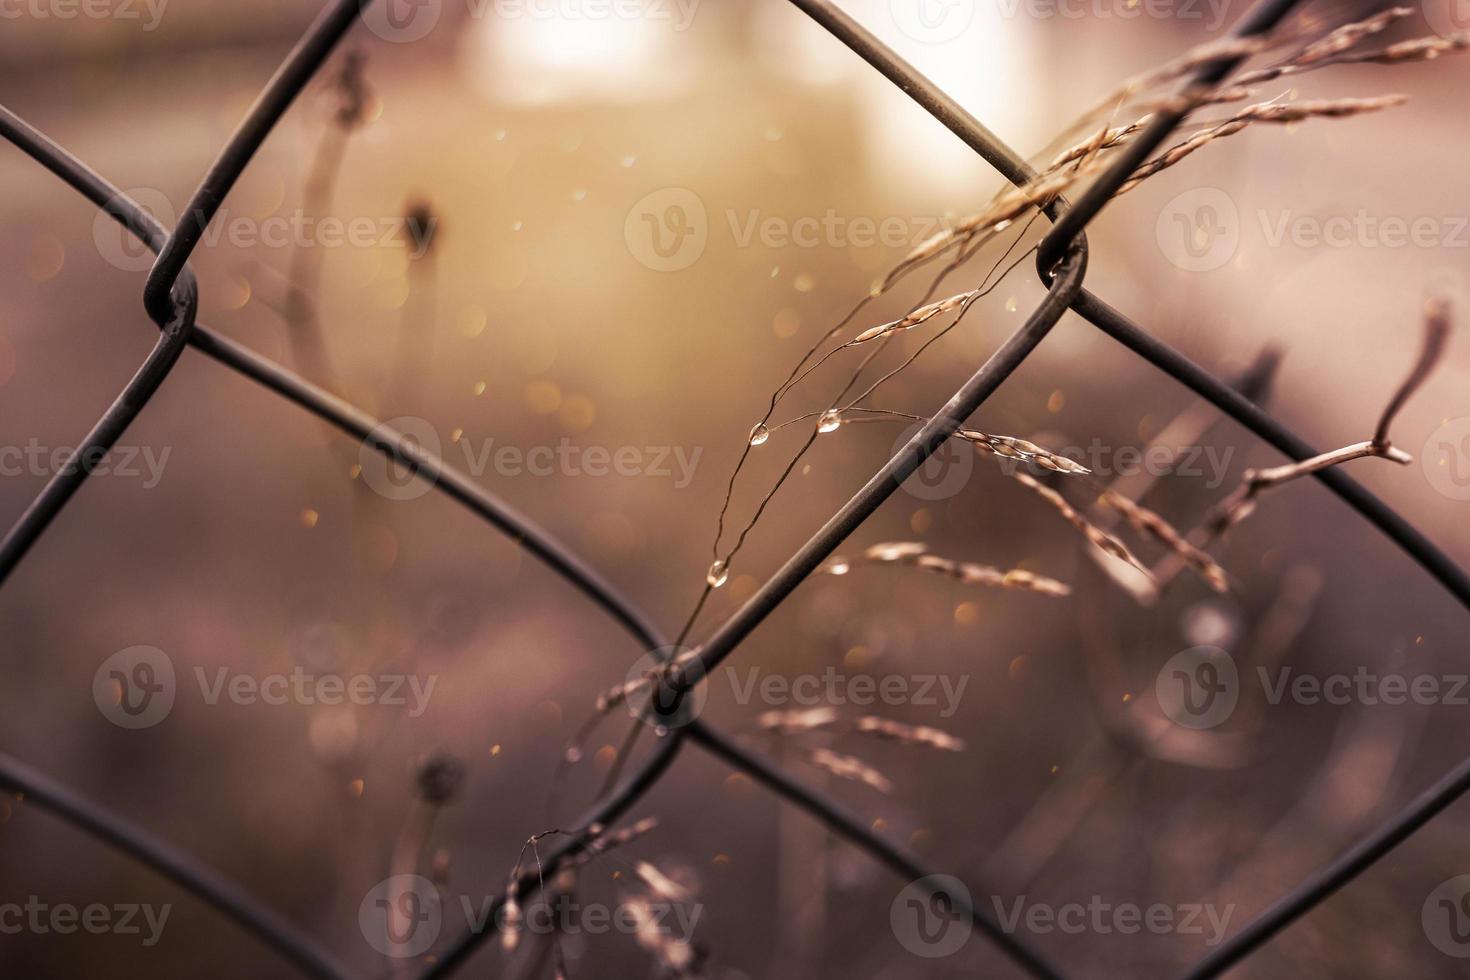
(573, 755)
(719, 574)
(759, 434)
(829, 421)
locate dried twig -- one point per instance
(661, 884)
(909, 734)
(674, 953)
(1241, 503)
(438, 778)
(1334, 49)
(1347, 36)
(1406, 52)
(797, 722)
(1002, 211)
(1437, 326)
(1109, 137)
(304, 333)
(915, 553)
(601, 841)
(1009, 447)
(850, 767)
(1078, 162)
(1186, 429)
(826, 719)
(829, 419)
(1095, 535)
(1146, 521)
(922, 315)
(1262, 112)
(1175, 69)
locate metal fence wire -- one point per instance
(171, 300)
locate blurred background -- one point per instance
(630, 229)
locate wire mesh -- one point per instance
(171, 300)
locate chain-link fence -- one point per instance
(171, 299)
